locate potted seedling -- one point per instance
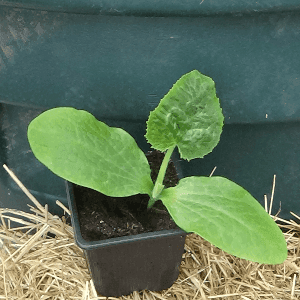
(77, 147)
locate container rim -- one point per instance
(86, 245)
(180, 8)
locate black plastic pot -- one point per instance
(122, 265)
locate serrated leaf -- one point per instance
(227, 216)
(74, 145)
(189, 116)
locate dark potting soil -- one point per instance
(102, 217)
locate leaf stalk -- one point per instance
(158, 187)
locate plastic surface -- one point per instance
(122, 265)
(16, 154)
(119, 67)
(156, 8)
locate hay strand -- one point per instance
(23, 188)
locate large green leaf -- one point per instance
(189, 116)
(74, 145)
(226, 215)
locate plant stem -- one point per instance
(158, 187)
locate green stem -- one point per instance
(158, 187)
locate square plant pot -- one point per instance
(121, 265)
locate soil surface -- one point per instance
(102, 217)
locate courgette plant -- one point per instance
(74, 145)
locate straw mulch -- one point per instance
(34, 265)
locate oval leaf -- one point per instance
(74, 145)
(189, 116)
(227, 216)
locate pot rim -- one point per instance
(90, 245)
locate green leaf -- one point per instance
(227, 216)
(189, 116)
(74, 145)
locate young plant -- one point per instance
(74, 145)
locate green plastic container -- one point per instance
(117, 59)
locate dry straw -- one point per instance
(37, 265)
